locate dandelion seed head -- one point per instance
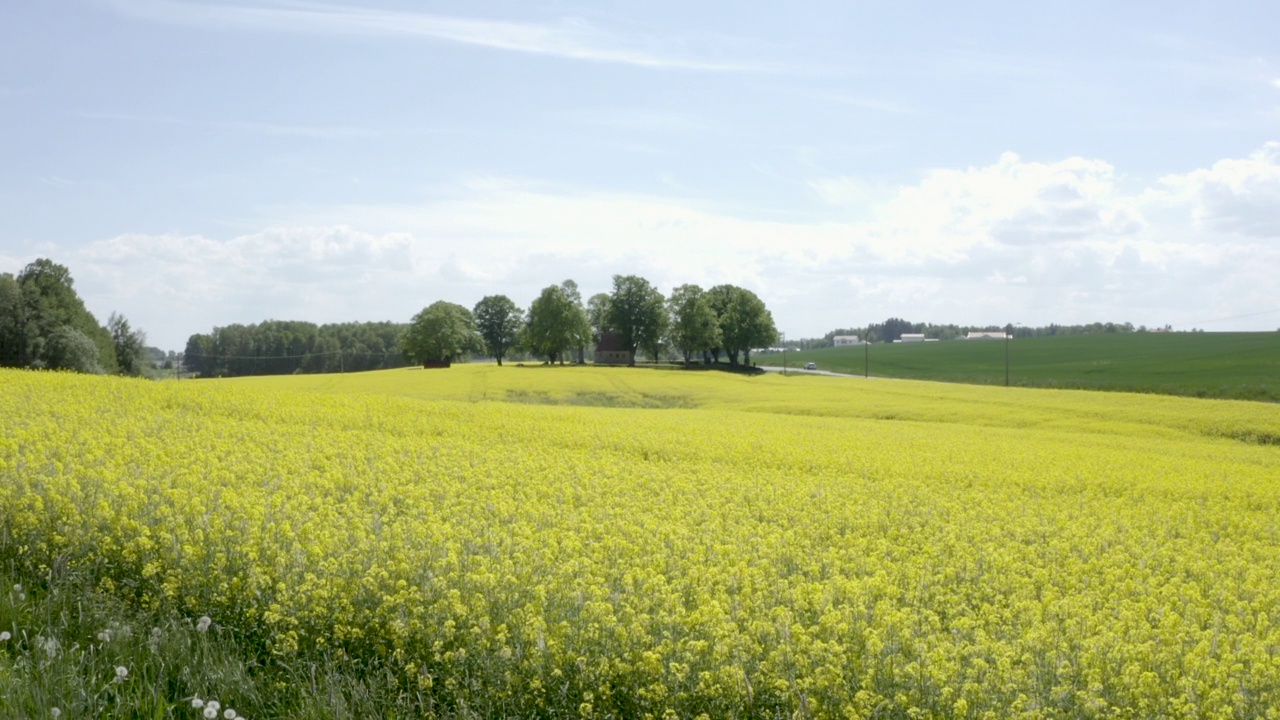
(229, 714)
(210, 713)
(55, 712)
(122, 672)
(5, 635)
(203, 623)
(196, 702)
(215, 705)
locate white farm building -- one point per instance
(844, 340)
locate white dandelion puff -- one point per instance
(55, 712)
(122, 672)
(196, 702)
(210, 713)
(203, 623)
(5, 635)
(215, 705)
(229, 714)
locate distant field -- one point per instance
(1243, 366)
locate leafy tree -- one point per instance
(637, 313)
(69, 349)
(12, 322)
(581, 324)
(498, 321)
(744, 321)
(555, 323)
(441, 332)
(693, 323)
(129, 344)
(50, 302)
(597, 314)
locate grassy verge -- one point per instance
(68, 651)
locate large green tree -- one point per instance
(441, 332)
(130, 345)
(597, 315)
(13, 323)
(693, 327)
(637, 313)
(49, 303)
(555, 324)
(498, 320)
(744, 322)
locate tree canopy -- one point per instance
(37, 305)
(555, 323)
(637, 313)
(498, 320)
(743, 319)
(694, 328)
(441, 332)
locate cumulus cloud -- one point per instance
(1012, 241)
(1239, 196)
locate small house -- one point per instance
(610, 351)
(845, 340)
(986, 336)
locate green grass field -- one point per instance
(1242, 366)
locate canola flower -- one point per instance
(727, 546)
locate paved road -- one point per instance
(798, 370)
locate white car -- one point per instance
(811, 366)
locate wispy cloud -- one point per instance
(569, 38)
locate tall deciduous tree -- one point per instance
(637, 313)
(693, 326)
(12, 322)
(49, 303)
(129, 344)
(441, 332)
(555, 324)
(597, 313)
(498, 321)
(744, 321)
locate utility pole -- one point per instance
(866, 358)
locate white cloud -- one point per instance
(1012, 241)
(1239, 195)
(570, 38)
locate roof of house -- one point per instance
(610, 342)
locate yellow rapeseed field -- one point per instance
(610, 542)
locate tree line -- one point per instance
(282, 347)
(894, 328)
(45, 324)
(692, 323)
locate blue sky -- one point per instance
(204, 163)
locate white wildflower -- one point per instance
(104, 636)
(203, 623)
(196, 702)
(55, 712)
(229, 714)
(5, 636)
(215, 705)
(210, 713)
(122, 672)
